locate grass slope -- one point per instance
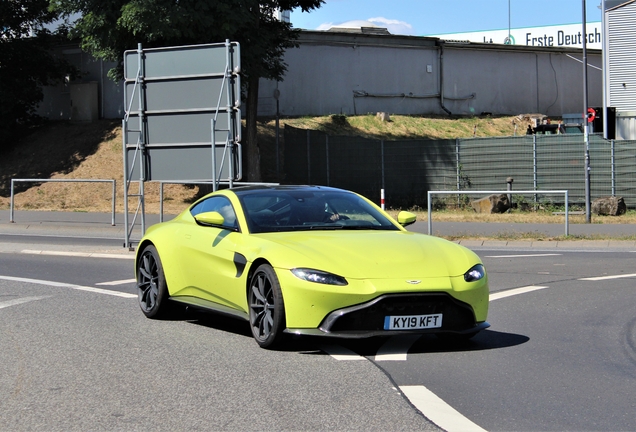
(64, 150)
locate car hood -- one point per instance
(375, 254)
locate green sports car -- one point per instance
(310, 260)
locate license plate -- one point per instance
(412, 322)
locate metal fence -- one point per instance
(407, 169)
(42, 180)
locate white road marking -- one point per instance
(71, 286)
(77, 254)
(516, 291)
(396, 348)
(117, 282)
(609, 277)
(438, 411)
(341, 353)
(523, 256)
(18, 301)
(427, 402)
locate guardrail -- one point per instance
(506, 192)
(113, 182)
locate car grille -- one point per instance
(457, 316)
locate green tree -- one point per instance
(27, 63)
(108, 28)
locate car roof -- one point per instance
(241, 190)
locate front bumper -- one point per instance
(367, 319)
(308, 304)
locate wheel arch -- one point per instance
(140, 249)
(252, 269)
(168, 273)
(256, 264)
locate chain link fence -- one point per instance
(408, 169)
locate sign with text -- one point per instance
(564, 36)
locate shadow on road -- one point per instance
(485, 340)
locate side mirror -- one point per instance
(405, 218)
(210, 218)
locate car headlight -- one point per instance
(475, 273)
(311, 275)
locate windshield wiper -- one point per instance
(367, 227)
(326, 227)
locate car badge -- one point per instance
(413, 282)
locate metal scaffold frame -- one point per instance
(187, 106)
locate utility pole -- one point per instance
(588, 215)
(509, 40)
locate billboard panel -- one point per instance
(191, 60)
(179, 102)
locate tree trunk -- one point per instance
(253, 155)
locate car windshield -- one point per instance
(296, 210)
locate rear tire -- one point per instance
(152, 289)
(267, 311)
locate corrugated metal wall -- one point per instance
(408, 169)
(353, 73)
(621, 31)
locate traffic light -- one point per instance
(597, 121)
(610, 133)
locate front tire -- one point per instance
(152, 289)
(267, 311)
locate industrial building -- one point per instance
(364, 69)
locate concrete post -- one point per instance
(509, 180)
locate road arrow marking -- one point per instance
(599, 278)
(508, 293)
(118, 282)
(21, 300)
(77, 254)
(71, 286)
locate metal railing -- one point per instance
(113, 182)
(506, 192)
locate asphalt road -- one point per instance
(77, 353)
(560, 356)
(88, 360)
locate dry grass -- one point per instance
(409, 127)
(62, 150)
(77, 151)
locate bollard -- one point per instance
(509, 180)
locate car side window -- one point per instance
(218, 204)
